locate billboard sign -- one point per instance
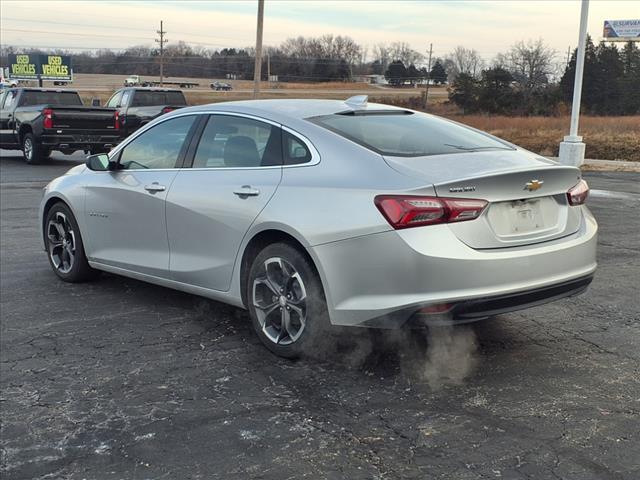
(621, 30)
(55, 67)
(23, 67)
(34, 66)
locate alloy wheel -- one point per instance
(28, 148)
(62, 243)
(280, 299)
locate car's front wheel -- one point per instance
(65, 246)
(286, 301)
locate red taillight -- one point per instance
(167, 110)
(436, 309)
(578, 194)
(405, 211)
(116, 120)
(48, 118)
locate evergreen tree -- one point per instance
(464, 92)
(396, 73)
(588, 78)
(496, 95)
(630, 84)
(438, 73)
(413, 74)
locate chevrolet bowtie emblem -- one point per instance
(533, 185)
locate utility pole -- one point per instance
(161, 41)
(269, 68)
(568, 56)
(426, 92)
(572, 149)
(258, 66)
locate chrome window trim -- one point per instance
(315, 155)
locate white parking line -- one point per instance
(612, 194)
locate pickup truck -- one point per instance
(39, 120)
(220, 86)
(138, 106)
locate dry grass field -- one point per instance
(607, 138)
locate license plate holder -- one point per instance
(526, 216)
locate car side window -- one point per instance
(294, 150)
(125, 98)
(9, 98)
(158, 147)
(115, 100)
(238, 142)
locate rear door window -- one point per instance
(238, 142)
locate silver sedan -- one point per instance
(312, 213)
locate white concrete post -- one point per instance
(572, 148)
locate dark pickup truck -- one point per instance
(38, 120)
(137, 106)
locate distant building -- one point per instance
(373, 79)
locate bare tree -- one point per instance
(530, 63)
(382, 54)
(463, 60)
(402, 51)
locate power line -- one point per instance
(71, 34)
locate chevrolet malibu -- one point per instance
(312, 213)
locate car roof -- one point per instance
(291, 109)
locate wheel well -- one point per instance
(257, 244)
(24, 129)
(47, 206)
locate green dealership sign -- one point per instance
(37, 66)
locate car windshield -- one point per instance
(148, 99)
(408, 134)
(30, 97)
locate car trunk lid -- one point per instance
(526, 194)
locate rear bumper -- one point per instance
(80, 141)
(384, 279)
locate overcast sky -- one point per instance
(487, 26)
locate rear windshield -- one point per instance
(50, 98)
(407, 134)
(149, 99)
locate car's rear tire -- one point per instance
(65, 248)
(286, 302)
(33, 152)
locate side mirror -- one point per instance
(95, 102)
(99, 162)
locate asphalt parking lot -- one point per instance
(117, 379)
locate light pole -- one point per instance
(572, 148)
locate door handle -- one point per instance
(155, 187)
(246, 191)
